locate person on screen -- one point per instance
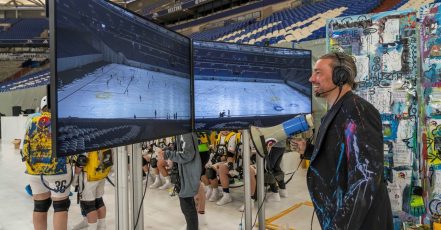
(49, 177)
(345, 177)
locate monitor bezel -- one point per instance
(54, 86)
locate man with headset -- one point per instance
(345, 178)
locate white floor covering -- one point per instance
(161, 211)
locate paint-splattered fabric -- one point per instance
(37, 148)
(345, 177)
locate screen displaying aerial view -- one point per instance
(240, 85)
(120, 79)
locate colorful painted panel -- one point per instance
(385, 48)
(430, 18)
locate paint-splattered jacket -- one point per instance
(345, 177)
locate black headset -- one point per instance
(340, 75)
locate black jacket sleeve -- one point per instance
(308, 151)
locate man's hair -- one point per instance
(346, 62)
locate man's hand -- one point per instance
(298, 145)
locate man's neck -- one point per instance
(337, 95)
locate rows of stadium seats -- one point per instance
(122, 31)
(28, 81)
(23, 29)
(248, 73)
(236, 57)
(212, 34)
(306, 22)
(71, 45)
(302, 23)
(73, 138)
(413, 4)
(302, 78)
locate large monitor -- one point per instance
(118, 78)
(240, 85)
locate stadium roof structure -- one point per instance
(40, 3)
(22, 3)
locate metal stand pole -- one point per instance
(137, 187)
(247, 182)
(260, 191)
(122, 197)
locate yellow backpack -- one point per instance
(37, 148)
(98, 164)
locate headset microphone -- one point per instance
(321, 93)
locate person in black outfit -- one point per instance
(345, 178)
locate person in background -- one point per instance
(189, 166)
(91, 170)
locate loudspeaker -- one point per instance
(339, 75)
(261, 137)
(16, 110)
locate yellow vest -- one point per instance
(98, 164)
(227, 138)
(213, 137)
(203, 142)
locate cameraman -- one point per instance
(189, 165)
(91, 171)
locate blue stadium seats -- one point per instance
(293, 25)
(28, 81)
(22, 30)
(212, 34)
(142, 38)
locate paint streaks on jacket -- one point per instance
(345, 176)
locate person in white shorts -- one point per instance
(50, 177)
(91, 174)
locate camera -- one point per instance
(81, 161)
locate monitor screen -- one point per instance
(240, 85)
(119, 78)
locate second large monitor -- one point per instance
(239, 85)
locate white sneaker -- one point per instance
(226, 198)
(273, 197)
(93, 226)
(166, 186)
(81, 225)
(242, 208)
(283, 192)
(214, 195)
(157, 184)
(208, 193)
